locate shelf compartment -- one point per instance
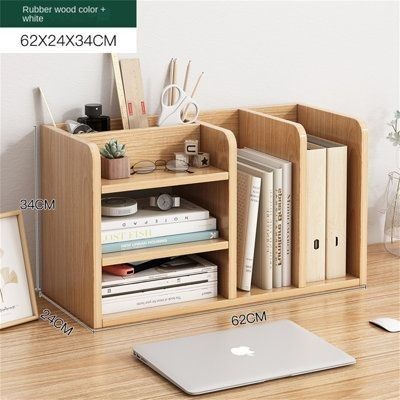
(164, 251)
(258, 294)
(244, 298)
(158, 179)
(160, 312)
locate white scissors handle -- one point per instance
(172, 115)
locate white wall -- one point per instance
(339, 55)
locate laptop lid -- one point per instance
(240, 356)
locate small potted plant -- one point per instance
(114, 164)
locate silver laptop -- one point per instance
(240, 356)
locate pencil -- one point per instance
(186, 76)
(175, 78)
(192, 95)
(47, 106)
(197, 85)
(171, 79)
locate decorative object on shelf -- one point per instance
(392, 220)
(175, 102)
(94, 118)
(173, 114)
(119, 269)
(17, 291)
(191, 147)
(201, 160)
(77, 127)
(114, 164)
(182, 157)
(146, 166)
(165, 201)
(118, 206)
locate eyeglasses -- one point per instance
(146, 167)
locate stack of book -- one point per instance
(264, 218)
(178, 280)
(151, 227)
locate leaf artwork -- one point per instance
(6, 277)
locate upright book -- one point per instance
(262, 275)
(336, 206)
(248, 195)
(316, 213)
(278, 209)
(286, 167)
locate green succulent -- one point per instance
(113, 149)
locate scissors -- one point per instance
(173, 114)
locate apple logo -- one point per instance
(242, 351)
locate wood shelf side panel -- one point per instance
(287, 140)
(71, 255)
(220, 199)
(155, 143)
(353, 134)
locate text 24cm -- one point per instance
(56, 322)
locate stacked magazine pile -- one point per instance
(175, 281)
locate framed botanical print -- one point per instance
(17, 292)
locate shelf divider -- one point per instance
(158, 179)
(164, 251)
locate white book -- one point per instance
(158, 284)
(277, 226)
(248, 199)
(336, 206)
(175, 267)
(286, 208)
(263, 256)
(147, 232)
(147, 215)
(155, 298)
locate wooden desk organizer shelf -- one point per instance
(71, 248)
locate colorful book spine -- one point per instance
(148, 232)
(160, 241)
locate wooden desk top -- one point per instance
(40, 362)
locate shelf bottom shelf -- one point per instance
(256, 295)
(164, 251)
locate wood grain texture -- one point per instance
(155, 143)
(220, 199)
(159, 179)
(164, 251)
(39, 362)
(353, 134)
(71, 254)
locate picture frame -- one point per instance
(17, 291)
